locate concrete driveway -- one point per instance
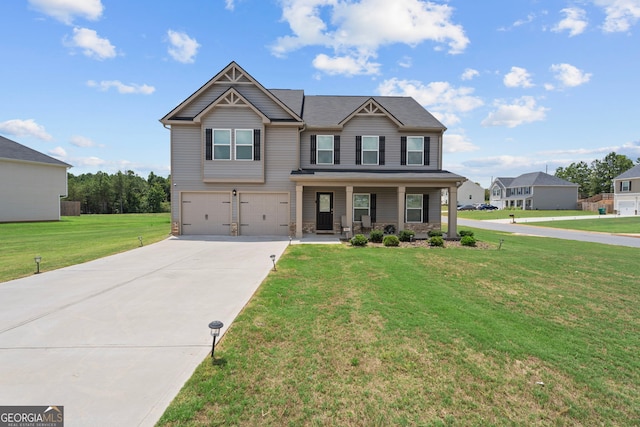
(114, 340)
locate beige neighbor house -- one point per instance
(33, 184)
(246, 160)
(535, 190)
(469, 193)
(626, 193)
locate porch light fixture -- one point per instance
(215, 327)
(234, 192)
(37, 260)
(273, 260)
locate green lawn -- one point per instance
(541, 332)
(616, 225)
(74, 240)
(504, 214)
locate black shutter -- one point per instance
(629, 185)
(425, 208)
(358, 150)
(313, 149)
(381, 151)
(208, 146)
(336, 149)
(373, 208)
(403, 150)
(427, 150)
(256, 144)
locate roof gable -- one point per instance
(14, 151)
(634, 172)
(231, 98)
(371, 108)
(231, 76)
(539, 179)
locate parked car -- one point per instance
(466, 208)
(487, 207)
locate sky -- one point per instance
(522, 86)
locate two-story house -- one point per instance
(534, 190)
(246, 160)
(626, 193)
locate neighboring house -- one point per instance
(246, 160)
(535, 190)
(626, 195)
(469, 193)
(32, 184)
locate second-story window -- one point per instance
(222, 144)
(324, 149)
(369, 150)
(625, 186)
(244, 144)
(415, 150)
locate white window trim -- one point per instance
(421, 162)
(236, 145)
(324, 150)
(377, 150)
(406, 208)
(213, 144)
(355, 207)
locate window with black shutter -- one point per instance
(208, 150)
(427, 150)
(373, 208)
(358, 150)
(381, 150)
(312, 160)
(403, 150)
(256, 144)
(336, 149)
(425, 208)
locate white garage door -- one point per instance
(206, 213)
(627, 207)
(264, 214)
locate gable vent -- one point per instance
(234, 76)
(371, 109)
(232, 99)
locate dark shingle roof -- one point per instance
(292, 98)
(538, 178)
(12, 150)
(634, 172)
(329, 111)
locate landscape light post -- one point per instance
(215, 327)
(37, 260)
(273, 260)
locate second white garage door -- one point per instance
(264, 214)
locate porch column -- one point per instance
(453, 212)
(401, 194)
(349, 207)
(299, 211)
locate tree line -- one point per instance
(122, 192)
(597, 177)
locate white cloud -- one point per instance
(229, 4)
(66, 10)
(346, 65)
(569, 76)
(105, 85)
(469, 74)
(521, 111)
(58, 152)
(182, 48)
(81, 141)
(359, 28)
(91, 44)
(503, 162)
(27, 128)
(440, 98)
(518, 77)
(457, 143)
(406, 62)
(621, 14)
(574, 21)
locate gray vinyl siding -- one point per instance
(232, 118)
(186, 164)
(252, 93)
(373, 126)
(555, 197)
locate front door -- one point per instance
(324, 211)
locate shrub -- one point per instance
(406, 235)
(465, 233)
(376, 236)
(468, 241)
(391, 240)
(359, 240)
(436, 241)
(434, 233)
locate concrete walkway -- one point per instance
(114, 340)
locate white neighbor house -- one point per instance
(33, 184)
(626, 193)
(469, 193)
